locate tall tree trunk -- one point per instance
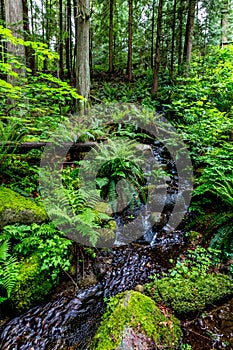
(68, 40)
(111, 68)
(130, 41)
(224, 23)
(152, 35)
(157, 50)
(2, 42)
(189, 32)
(30, 59)
(14, 21)
(180, 35)
(61, 45)
(75, 5)
(173, 36)
(82, 52)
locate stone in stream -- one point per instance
(16, 208)
(134, 321)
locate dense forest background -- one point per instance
(120, 37)
(68, 62)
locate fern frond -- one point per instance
(4, 248)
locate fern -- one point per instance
(8, 268)
(225, 190)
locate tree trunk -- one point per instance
(2, 42)
(180, 35)
(152, 35)
(30, 59)
(61, 45)
(14, 21)
(173, 36)
(68, 40)
(75, 35)
(111, 69)
(189, 32)
(130, 41)
(82, 52)
(224, 23)
(157, 50)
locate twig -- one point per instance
(71, 279)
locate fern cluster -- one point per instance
(19, 243)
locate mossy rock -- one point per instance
(32, 284)
(15, 208)
(133, 319)
(190, 296)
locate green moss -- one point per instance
(32, 285)
(185, 295)
(16, 208)
(136, 311)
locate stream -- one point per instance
(71, 317)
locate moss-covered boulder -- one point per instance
(134, 321)
(32, 284)
(15, 208)
(187, 295)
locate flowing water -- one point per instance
(70, 319)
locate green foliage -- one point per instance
(119, 164)
(43, 240)
(38, 256)
(10, 132)
(8, 269)
(185, 347)
(41, 100)
(196, 263)
(191, 286)
(32, 284)
(217, 228)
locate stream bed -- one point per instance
(70, 318)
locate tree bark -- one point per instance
(152, 35)
(75, 35)
(61, 45)
(180, 34)
(189, 32)
(68, 40)
(173, 36)
(30, 59)
(2, 42)
(224, 23)
(130, 41)
(157, 50)
(82, 52)
(111, 14)
(14, 21)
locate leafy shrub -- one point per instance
(33, 266)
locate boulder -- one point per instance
(134, 321)
(16, 208)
